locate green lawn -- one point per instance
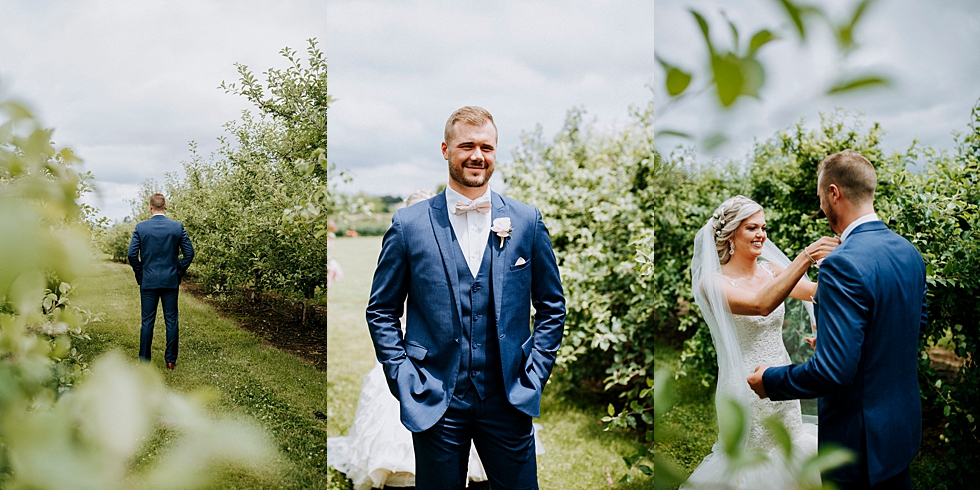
(580, 455)
(248, 377)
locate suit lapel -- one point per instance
(444, 238)
(498, 256)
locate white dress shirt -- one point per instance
(472, 228)
(854, 224)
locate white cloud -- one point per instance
(129, 84)
(528, 63)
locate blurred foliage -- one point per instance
(936, 207)
(59, 426)
(736, 72)
(805, 471)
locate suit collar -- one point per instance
(858, 222)
(876, 225)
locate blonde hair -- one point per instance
(157, 201)
(852, 173)
(472, 115)
(726, 219)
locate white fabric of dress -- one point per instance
(377, 450)
(744, 342)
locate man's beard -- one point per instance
(456, 172)
(831, 219)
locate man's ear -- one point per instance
(445, 150)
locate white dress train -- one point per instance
(378, 451)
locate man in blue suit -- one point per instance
(471, 263)
(871, 311)
(154, 255)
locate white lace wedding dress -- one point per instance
(761, 343)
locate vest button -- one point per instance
(502, 335)
(476, 318)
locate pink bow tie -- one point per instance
(480, 206)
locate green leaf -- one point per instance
(703, 24)
(668, 473)
(677, 81)
(827, 458)
(728, 78)
(731, 424)
(611, 410)
(858, 82)
(796, 16)
(946, 411)
(760, 39)
(671, 132)
(646, 470)
(781, 435)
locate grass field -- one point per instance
(248, 377)
(580, 455)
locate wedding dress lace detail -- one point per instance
(760, 339)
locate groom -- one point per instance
(154, 254)
(871, 309)
(471, 264)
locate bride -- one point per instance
(741, 299)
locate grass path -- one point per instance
(579, 453)
(247, 377)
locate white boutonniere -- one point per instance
(501, 226)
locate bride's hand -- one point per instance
(822, 247)
(812, 340)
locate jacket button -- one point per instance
(502, 335)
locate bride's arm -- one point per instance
(743, 302)
(804, 290)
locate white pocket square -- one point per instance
(520, 261)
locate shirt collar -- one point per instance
(854, 224)
(453, 197)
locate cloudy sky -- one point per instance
(929, 49)
(128, 84)
(399, 69)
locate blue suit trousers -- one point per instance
(149, 298)
(501, 433)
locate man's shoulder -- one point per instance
(519, 208)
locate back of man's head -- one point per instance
(852, 173)
(157, 202)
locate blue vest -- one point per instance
(479, 364)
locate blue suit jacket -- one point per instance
(871, 310)
(417, 262)
(153, 253)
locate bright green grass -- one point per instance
(579, 454)
(248, 377)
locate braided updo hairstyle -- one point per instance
(727, 219)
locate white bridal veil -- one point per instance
(710, 296)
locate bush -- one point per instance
(117, 238)
(594, 190)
